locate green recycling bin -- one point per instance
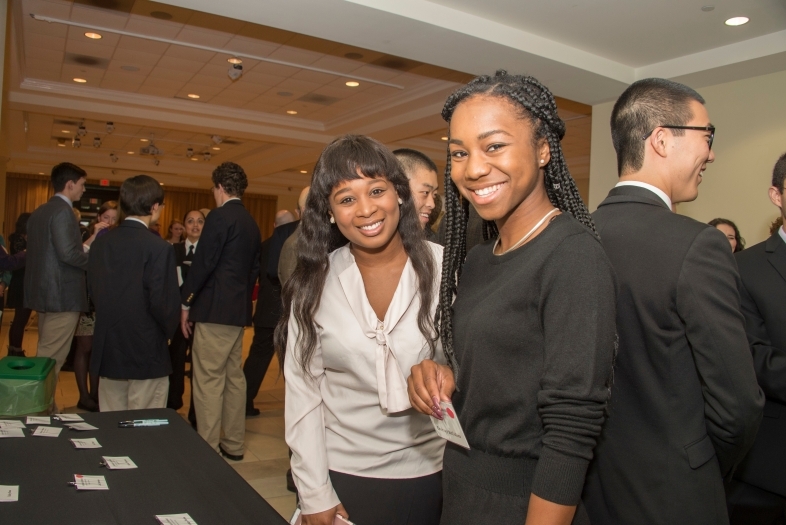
(27, 385)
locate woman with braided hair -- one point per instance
(527, 321)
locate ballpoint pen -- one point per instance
(143, 423)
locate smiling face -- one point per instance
(423, 183)
(494, 161)
(194, 223)
(176, 230)
(690, 155)
(366, 211)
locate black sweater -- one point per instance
(534, 336)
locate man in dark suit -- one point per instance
(56, 262)
(757, 494)
(133, 284)
(684, 405)
(216, 296)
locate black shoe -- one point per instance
(90, 406)
(227, 455)
(252, 412)
(15, 351)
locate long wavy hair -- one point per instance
(341, 161)
(536, 104)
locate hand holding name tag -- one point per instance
(430, 387)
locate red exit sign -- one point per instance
(104, 182)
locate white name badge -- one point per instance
(68, 417)
(9, 493)
(11, 433)
(90, 482)
(81, 426)
(47, 431)
(118, 462)
(449, 427)
(38, 420)
(176, 519)
(86, 443)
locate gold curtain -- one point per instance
(24, 193)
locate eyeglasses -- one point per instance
(711, 129)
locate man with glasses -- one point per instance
(684, 405)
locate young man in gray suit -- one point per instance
(56, 263)
(685, 405)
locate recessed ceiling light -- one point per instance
(145, 140)
(303, 171)
(352, 83)
(291, 112)
(130, 152)
(80, 80)
(737, 21)
(94, 36)
(193, 95)
(161, 183)
(40, 172)
(234, 60)
(216, 148)
(64, 131)
(61, 145)
(194, 158)
(444, 138)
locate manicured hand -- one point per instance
(324, 518)
(428, 384)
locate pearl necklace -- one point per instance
(527, 236)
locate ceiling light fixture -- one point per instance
(206, 156)
(145, 140)
(80, 80)
(94, 36)
(193, 95)
(225, 52)
(110, 127)
(97, 142)
(190, 153)
(737, 21)
(194, 158)
(81, 130)
(303, 171)
(61, 144)
(113, 157)
(444, 138)
(64, 131)
(216, 148)
(130, 152)
(352, 83)
(76, 143)
(234, 60)
(40, 172)
(291, 112)
(235, 71)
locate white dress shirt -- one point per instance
(354, 416)
(782, 232)
(657, 191)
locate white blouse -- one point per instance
(354, 417)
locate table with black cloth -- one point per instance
(178, 473)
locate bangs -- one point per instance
(352, 157)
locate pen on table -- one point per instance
(143, 423)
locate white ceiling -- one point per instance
(588, 53)
(140, 73)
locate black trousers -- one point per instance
(259, 356)
(377, 501)
(17, 331)
(749, 505)
(177, 353)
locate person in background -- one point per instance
(57, 259)
(777, 223)
(194, 221)
(15, 297)
(358, 313)
(732, 233)
(288, 257)
(133, 283)
(83, 231)
(422, 174)
(155, 228)
(176, 230)
(530, 336)
(757, 494)
(88, 392)
(216, 300)
(435, 216)
(685, 405)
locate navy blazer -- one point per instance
(133, 284)
(685, 405)
(763, 295)
(225, 268)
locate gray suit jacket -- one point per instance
(56, 261)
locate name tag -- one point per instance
(449, 427)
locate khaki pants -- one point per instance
(55, 331)
(132, 394)
(219, 385)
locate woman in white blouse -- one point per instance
(359, 313)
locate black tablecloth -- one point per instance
(178, 473)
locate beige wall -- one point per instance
(750, 117)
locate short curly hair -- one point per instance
(232, 178)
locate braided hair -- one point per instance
(536, 104)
